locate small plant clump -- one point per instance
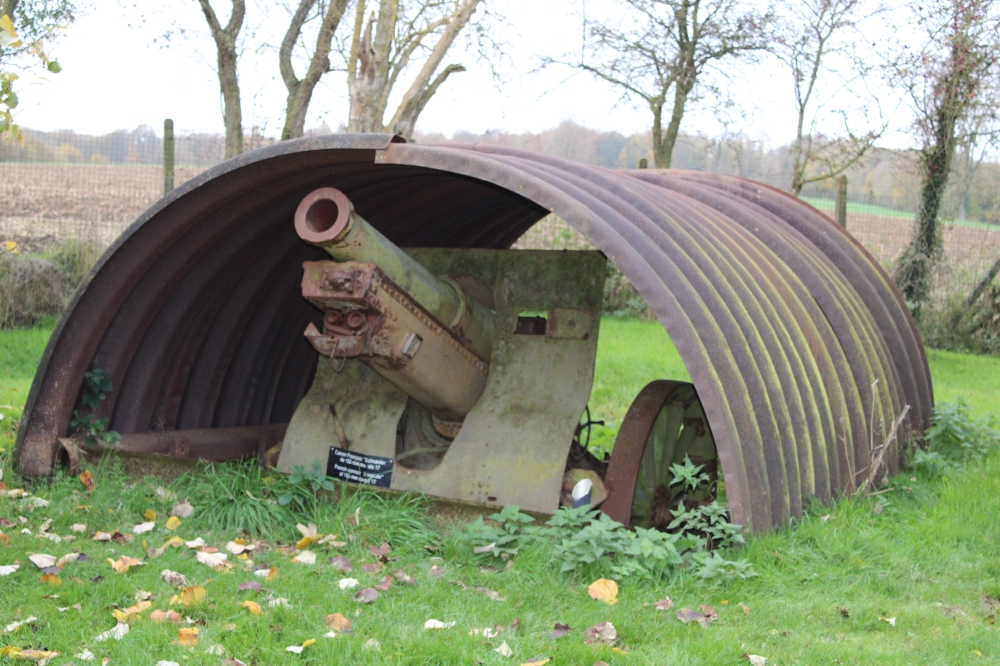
(587, 541)
(955, 437)
(96, 387)
(304, 486)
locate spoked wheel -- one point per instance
(665, 424)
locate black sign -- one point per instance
(345, 465)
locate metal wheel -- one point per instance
(664, 424)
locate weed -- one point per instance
(303, 487)
(31, 289)
(955, 437)
(74, 257)
(96, 386)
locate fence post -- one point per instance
(168, 155)
(840, 209)
(642, 163)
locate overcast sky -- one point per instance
(118, 73)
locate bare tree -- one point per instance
(661, 49)
(386, 45)
(300, 90)
(951, 82)
(226, 46)
(814, 32)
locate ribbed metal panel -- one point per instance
(800, 347)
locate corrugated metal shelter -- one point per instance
(801, 349)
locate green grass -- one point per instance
(928, 559)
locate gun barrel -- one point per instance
(326, 218)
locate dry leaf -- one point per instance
(385, 584)
(271, 574)
(304, 542)
(193, 596)
(237, 548)
(173, 522)
(686, 615)
(211, 559)
(8, 569)
(331, 540)
(367, 595)
(117, 633)
(142, 528)
(79, 528)
(372, 567)
(338, 623)
(487, 632)
(504, 650)
(559, 631)
(164, 494)
(479, 550)
(438, 624)
(197, 543)
(43, 561)
(664, 605)
(150, 515)
(710, 613)
(278, 602)
(87, 479)
(187, 637)
(601, 633)
(755, 660)
(132, 612)
(341, 563)
(604, 590)
(182, 509)
(435, 572)
(890, 620)
(14, 626)
(537, 661)
(50, 579)
(173, 578)
(297, 649)
(380, 551)
(305, 557)
(124, 563)
(253, 607)
(158, 616)
(174, 542)
(67, 559)
(348, 583)
(249, 585)
(404, 577)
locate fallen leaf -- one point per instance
(664, 605)
(167, 663)
(117, 633)
(890, 620)
(404, 577)
(87, 479)
(142, 528)
(211, 559)
(249, 585)
(504, 650)
(304, 542)
(253, 607)
(237, 548)
(271, 574)
(68, 558)
(164, 494)
(710, 613)
(124, 563)
(187, 637)
(150, 515)
(173, 578)
(537, 661)
(479, 550)
(755, 660)
(8, 569)
(174, 542)
(435, 571)
(385, 584)
(331, 540)
(487, 632)
(372, 567)
(173, 522)
(341, 563)
(305, 557)
(381, 551)
(159, 616)
(182, 509)
(86, 655)
(338, 623)
(193, 596)
(367, 595)
(14, 626)
(278, 602)
(686, 615)
(845, 612)
(438, 624)
(601, 633)
(132, 612)
(348, 583)
(50, 579)
(297, 649)
(43, 561)
(372, 644)
(559, 630)
(604, 590)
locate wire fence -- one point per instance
(59, 186)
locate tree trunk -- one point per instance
(913, 275)
(225, 44)
(300, 91)
(661, 157)
(682, 89)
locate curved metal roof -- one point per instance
(800, 347)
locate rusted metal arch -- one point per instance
(782, 320)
